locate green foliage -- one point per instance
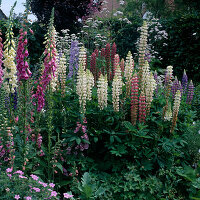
(12, 184)
(183, 42)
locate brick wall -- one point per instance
(111, 5)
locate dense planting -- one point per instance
(89, 124)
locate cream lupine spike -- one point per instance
(142, 48)
(62, 73)
(10, 70)
(102, 91)
(81, 88)
(150, 86)
(82, 58)
(90, 84)
(145, 76)
(168, 113)
(177, 102)
(169, 74)
(116, 91)
(128, 71)
(118, 74)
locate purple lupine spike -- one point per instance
(14, 99)
(73, 60)
(175, 87)
(190, 93)
(184, 81)
(180, 87)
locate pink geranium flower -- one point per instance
(67, 196)
(17, 197)
(53, 194)
(34, 177)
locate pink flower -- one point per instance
(20, 176)
(43, 184)
(36, 189)
(9, 170)
(52, 185)
(67, 196)
(53, 194)
(17, 197)
(28, 198)
(31, 31)
(9, 175)
(34, 177)
(16, 119)
(19, 172)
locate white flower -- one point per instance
(121, 2)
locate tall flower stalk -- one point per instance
(177, 102)
(1, 60)
(142, 108)
(128, 71)
(102, 91)
(134, 98)
(10, 78)
(116, 91)
(73, 59)
(142, 48)
(190, 93)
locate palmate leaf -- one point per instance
(142, 132)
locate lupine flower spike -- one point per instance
(82, 58)
(116, 91)
(184, 81)
(149, 90)
(145, 76)
(168, 113)
(177, 101)
(190, 93)
(134, 98)
(102, 91)
(142, 48)
(128, 72)
(62, 73)
(90, 84)
(73, 60)
(168, 85)
(175, 87)
(81, 88)
(142, 108)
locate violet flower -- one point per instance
(184, 81)
(74, 58)
(175, 87)
(190, 93)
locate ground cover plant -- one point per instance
(89, 124)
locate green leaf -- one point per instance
(38, 172)
(111, 139)
(59, 166)
(78, 140)
(96, 139)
